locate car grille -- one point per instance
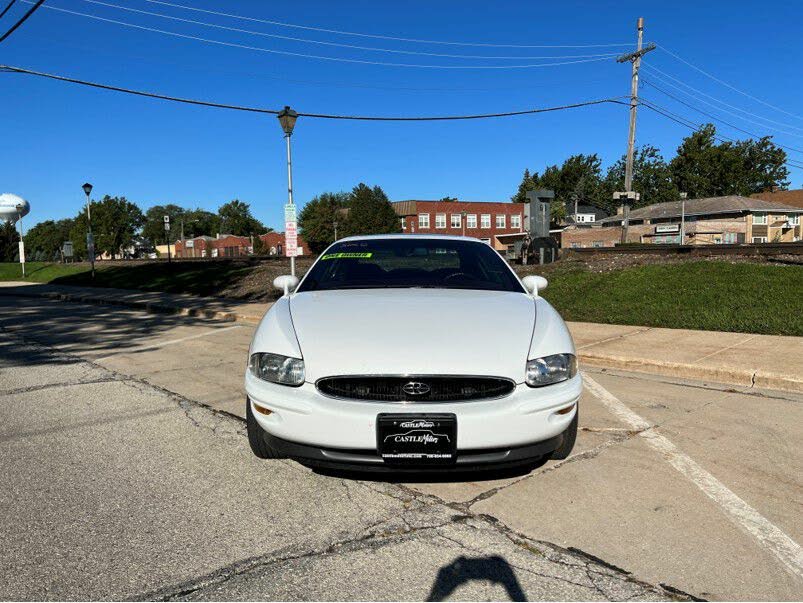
(416, 388)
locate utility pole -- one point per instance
(635, 59)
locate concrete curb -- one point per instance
(738, 377)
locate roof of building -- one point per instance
(793, 197)
(701, 207)
(411, 207)
(599, 214)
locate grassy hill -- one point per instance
(717, 295)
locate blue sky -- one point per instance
(58, 135)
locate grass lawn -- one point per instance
(707, 295)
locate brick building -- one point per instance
(715, 220)
(228, 246)
(482, 220)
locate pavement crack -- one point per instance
(36, 388)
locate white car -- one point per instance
(412, 353)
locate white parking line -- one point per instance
(742, 514)
(161, 344)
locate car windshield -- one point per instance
(410, 263)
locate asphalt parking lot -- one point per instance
(126, 474)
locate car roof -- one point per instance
(409, 236)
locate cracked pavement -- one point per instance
(126, 474)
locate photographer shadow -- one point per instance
(493, 569)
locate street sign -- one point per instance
(290, 231)
(90, 245)
(66, 249)
(167, 219)
(189, 243)
(22, 252)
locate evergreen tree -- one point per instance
(316, 220)
(370, 212)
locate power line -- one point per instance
(62, 78)
(715, 118)
(726, 84)
(339, 45)
(313, 56)
(377, 36)
(22, 20)
(719, 101)
(6, 9)
(695, 126)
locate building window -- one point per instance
(759, 218)
(423, 220)
(455, 220)
(729, 238)
(515, 221)
(440, 220)
(596, 244)
(575, 245)
(794, 220)
(404, 223)
(501, 222)
(471, 221)
(759, 239)
(485, 221)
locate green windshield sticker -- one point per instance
(342, 256)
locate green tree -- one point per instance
(705, 168)
(43, 242)
(371, 212)
(579, 177)
(235, 218)
(154, 227)
(652, 178)
(316, 220)
(115, 221)
(9, 239)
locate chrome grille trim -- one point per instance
(388, 388)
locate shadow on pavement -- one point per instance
(80, 328)
(494, 569)
(441, 476)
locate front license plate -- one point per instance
(404, 439)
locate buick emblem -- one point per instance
(415, 388)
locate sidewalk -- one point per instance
(739, 359)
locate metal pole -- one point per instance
(22, 240)
(631, 138)
(335, 225)
(89, 231)
(290, 193)
(683, 222)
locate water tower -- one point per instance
(12, 208)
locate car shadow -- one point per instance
(434, 477)
(463, 570)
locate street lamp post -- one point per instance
(90, 240)
(20, 209)
(463, 220)
(287, 119)
(335, 225)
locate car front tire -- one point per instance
(569, 437)
(255, 436)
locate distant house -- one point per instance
(713, 220)
(229, 246)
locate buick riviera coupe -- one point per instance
(412, 353)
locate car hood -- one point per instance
(413, 332)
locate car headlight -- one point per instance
(551, 369)
(277, 369)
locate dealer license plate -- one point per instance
(410, 439)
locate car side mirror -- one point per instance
(286, 283)
(534, 284)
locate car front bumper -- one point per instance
(304, 422)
